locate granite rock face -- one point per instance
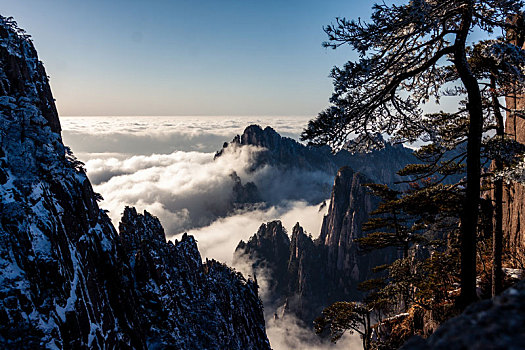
(306, 274)
(269, 249)
(68, 280)
(514, 193)
(350, 205)
(489, 324)
(59, 251)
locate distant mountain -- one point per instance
(68, 280)
(272, 170)
(285, 153)
(309, 274)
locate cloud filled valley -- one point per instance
(131, 161)
(321, 232)
(167, 167)
(223, 180)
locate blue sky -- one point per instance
(181, 57)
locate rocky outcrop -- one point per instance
(67, 279)
(23, 75)
(243, 196)
(59, 251)
(350, 205)
(182, 302)
(514, 193)
(269, 251)
(283, 152)
(489, 324)
(292, 269)
(308, 274)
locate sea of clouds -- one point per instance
(166, 165)
(99, 136)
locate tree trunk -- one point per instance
(469, 217)
(368, 332)
(497, 235)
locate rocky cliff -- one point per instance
(309, 274)
(182, 302)
(350, 205)
(67, 278)
(489, 324)
(514, 193)
(269, 248)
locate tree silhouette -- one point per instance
(403, 63)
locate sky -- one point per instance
(186, 57)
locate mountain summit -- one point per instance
(285, 153)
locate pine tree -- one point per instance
(497, 66)
(341, 317)
(403, 53)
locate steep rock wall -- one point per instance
(67, 279)
(514, 193)
(306, 274)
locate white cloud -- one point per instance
(165, 165)
(191, 189)
(219, 240)
(288, 333)
(184, 189)
(148, 135)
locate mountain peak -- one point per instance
(23, 74)
(254, 135)
(286, 153)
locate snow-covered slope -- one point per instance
(67, 278)
(183, 302)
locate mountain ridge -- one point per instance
(285, 152)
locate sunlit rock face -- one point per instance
(318, 272)
(514, 193)
(67, 278)
(489, 324)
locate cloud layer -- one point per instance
(163, 135)
(166, 166)
(220, 239)
(132, 161)
(288, 333)
(185, 189)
